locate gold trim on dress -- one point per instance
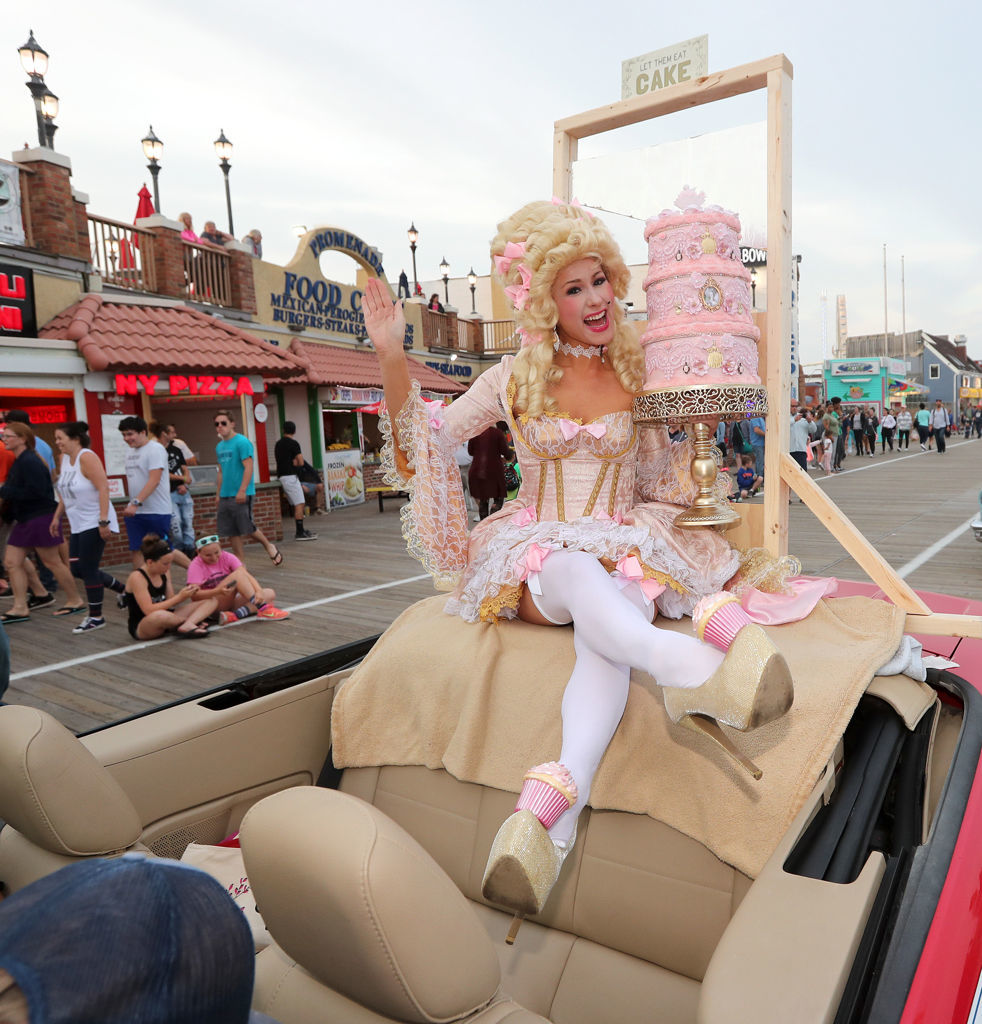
(595, 493)
(612, 497)
(509, 596)
(560, 492)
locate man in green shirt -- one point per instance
(832, 422)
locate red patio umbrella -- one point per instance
(144, 208)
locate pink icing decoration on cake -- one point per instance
(700, 328)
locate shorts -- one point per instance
(138, 526)
(292, 489)
(34, 533)
(233, 519)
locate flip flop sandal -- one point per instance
(40, 602)
(277, 558)
(8, 619)
(69, 609)
(191, 634)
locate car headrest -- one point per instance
(55, 793)
(361, 906)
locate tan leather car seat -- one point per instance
(58, 802)
(367, 926)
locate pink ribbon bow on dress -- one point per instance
(525, 516)
(570, 429)
(630, 568)
(533, 560)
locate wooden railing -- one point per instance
(500, 337)
(440, 330)
(207, 274)
(122, 254)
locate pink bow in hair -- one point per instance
(571, 429)
(519, 293)
(513, 251)
(630, 568)
(525, 516)
(556, 201)
(533, 560)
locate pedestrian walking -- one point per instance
(872, 425)
(803, 428)
(904, 423)
(289, 461)
(83, 495)
(940, 425)
(486, 476)
(922, 421)
(977, 421)
(832, 425)
(236, 487)
(179, 481)
(29, 501)
(887, 428)
(149, 508)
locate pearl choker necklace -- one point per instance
(588, 351)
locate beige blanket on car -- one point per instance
(483, 702)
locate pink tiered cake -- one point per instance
(701, 342)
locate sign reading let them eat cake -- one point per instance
(682, 62)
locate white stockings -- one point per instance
(612, 633)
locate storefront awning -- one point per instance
(125, 335)
(899, 388)
(352, 368)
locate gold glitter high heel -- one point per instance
(751, 688)
(524, 862)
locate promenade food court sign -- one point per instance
(300, 297)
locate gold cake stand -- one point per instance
(697, 406)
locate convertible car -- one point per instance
(867, 908)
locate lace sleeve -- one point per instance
(663, 470)
(434, 521)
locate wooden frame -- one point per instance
(781, 473)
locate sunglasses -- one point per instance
(221, 423)
(203, 542)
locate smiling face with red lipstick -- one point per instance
(583, 297)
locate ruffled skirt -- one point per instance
(502, 554)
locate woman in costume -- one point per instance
(589, 540)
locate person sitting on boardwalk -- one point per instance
(220, 577)
(154, 607)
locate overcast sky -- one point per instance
(370, 115)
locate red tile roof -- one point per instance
(353, 368)
(131, 336)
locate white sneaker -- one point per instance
(88, 624)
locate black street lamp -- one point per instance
(34, 60)
(472, 281)
(445, 270)
(152, 150)
(49, 108)
(753, 287)
(223, 149)
(413, 235)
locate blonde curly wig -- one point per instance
(556, 235)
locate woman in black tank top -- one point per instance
(154, 608)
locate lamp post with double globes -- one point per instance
(152, 150)
(445, 271)
(413, 235)
(223, 149)
(34, 60)
(472, 281)
(49, 109)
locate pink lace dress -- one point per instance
(605, 487)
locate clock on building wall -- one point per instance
(11, 222)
